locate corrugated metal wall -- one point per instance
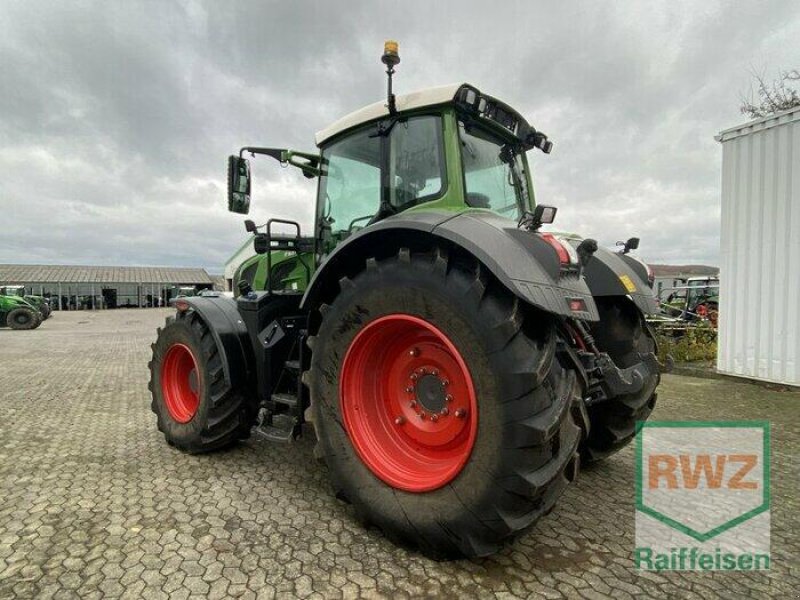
(759, 325)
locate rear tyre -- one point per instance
(622, 333)
(197, 409)
(23, 318)
(441, 405)
(45, 310)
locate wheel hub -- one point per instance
(408, 403)
(430, 393)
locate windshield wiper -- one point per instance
(509, 157)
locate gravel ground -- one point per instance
(93, 503)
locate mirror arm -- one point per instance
(284, 156)
(276, 153)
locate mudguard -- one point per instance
(230, 334)
(612, 274)
(521, 260)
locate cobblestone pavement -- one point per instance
(93, 503)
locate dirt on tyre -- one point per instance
(23, 318)
(623, 334)
(198, 411)
(441, 404)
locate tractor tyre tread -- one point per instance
(526, 451)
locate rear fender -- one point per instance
(612, 274)
(523, 262)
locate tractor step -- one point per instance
(283, 429)
(285, 399)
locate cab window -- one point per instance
(494, 173)
(350, 185)
(351, 188)
(416, 164)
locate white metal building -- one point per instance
(759, 320)
(245, 251)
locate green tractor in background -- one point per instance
(697, 300)
(40, 303)
(456, 362)
(17, 313)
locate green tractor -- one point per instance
(17, 313)
(40, 303)
(456, 362)
(697, 300)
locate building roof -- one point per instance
(427, 97)
(87, 274)
(683, 270)
(787, 116)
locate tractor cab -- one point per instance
(12, 290)
(448, 149)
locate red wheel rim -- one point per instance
(180, 383)
(408, 403)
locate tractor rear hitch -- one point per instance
(609, 381)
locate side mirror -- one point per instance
(238, 185)
(631, 244)
(250, 226)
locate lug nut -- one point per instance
(445, 382)
(412, 404)
(445, 411)
(435, 372)
(448, 398)
(413, 352)
(409, 390)
(434, 418)
(413, 377)
(461, 413)
(422, 416)
(399, 420)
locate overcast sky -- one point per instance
(116, 118)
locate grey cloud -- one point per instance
(116, 118)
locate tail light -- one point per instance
(566, 253)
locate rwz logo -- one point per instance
(702, 494)
(686, 471)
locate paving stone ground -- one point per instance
(94, 503)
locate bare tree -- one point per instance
(770, 98)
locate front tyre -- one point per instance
(23, 318)
(197, 409)
(440, 404)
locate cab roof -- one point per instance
(465, 97)
(419, 99)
